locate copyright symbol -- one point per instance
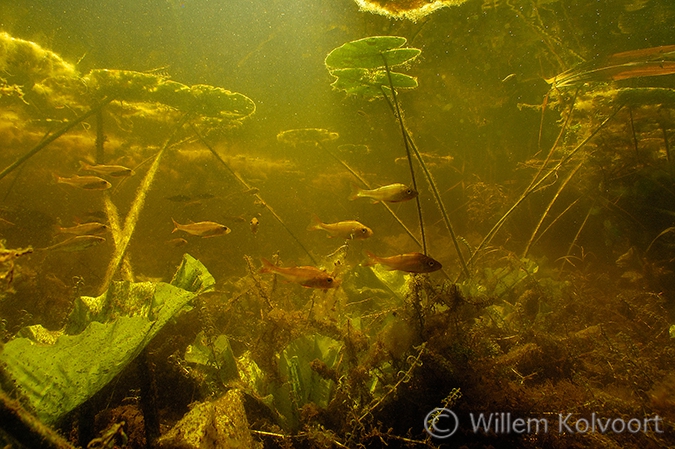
(441, 423)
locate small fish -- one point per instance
(347, 230)
(179, 198)
(77, 243)
(85, 182)
(254, 223)
(392, 193)
(93, 227)
(410, 263)
(177, 242)
(202, 229)
(310, 277)
(116, 171)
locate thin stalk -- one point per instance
(667, 145)
(632, 129)
(430, 180)
(49, 139)
(548, 208)
(360, 178)
(26, 428)
(441, 207)
(535, 185)
(257, 196)
(576, 237)
(404, 134)
(557, 140)
(555, 220)
(122, 240)
(100, 138)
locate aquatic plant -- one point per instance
(362, 67)
(319, 137)
(58, 371)
(405, 9)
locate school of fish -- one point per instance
(86, 234)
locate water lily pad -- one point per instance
(369, 83)
(306, 135)
(360, 69)
(370, 53)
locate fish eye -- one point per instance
(364, 230)
(409, 191)
(329, 280)
(431, 263)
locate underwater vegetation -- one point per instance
(169, 281)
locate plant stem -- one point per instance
(26, 428)
(548, 208)
(404, 134)
(49, 139)
(122, 240)
(257, 196)
(535, 184)
(363, 181)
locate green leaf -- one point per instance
(193, 276)
(368, 53)
(217, 356)
(369, 83)
(205, 100)
(56, 378)
(303, 385)
(359, 66)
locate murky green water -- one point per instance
(548, 203)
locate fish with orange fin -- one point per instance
(392, 193)
(410, 262)
(85, 182)
(203, 229)
(347, 230)
(310, 277)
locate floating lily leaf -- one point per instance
(59, 377)
(369, 53)
(141, 87)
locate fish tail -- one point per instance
(84, 165)
(268, 267)
(315, 224)
(176, 226)
(372, 260)
(355, 193)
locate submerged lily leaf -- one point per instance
(306, 135)
(59, 377)
(359, 66)
(216, 356)
(304, 384)
(369, 83)
(370, 52)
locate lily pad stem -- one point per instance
(407, 151)
(257, 196)
(409, 143)
(52, 137)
